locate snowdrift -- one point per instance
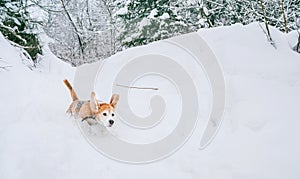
(258, 137)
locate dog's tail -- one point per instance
(73, 94)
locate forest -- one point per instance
(84, 31)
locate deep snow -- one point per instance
(258, 137)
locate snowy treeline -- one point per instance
(88, 30)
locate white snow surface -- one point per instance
(257, 139)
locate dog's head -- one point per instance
(105, 112)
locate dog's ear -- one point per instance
(114, 100)
(93, 103)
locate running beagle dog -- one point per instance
(92, 111)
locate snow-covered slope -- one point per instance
(258, 137)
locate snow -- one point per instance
(205, 10)
(122, 11)
(258, 137)
(298, 22)
(144, 22)
(293, 38)
(165, 16)
(153, 13)
(202, 22)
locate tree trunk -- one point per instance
(74, 26)
(283, 14)
(265, 19)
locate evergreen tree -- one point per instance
(17, 26)
(227, 12)
(151, 20)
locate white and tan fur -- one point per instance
(92, 110)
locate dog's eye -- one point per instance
(112, 114)
(104, 114)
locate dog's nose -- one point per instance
(111, 122)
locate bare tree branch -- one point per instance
(45, 8)
(74, 27)
(5, 67)
(135, 87)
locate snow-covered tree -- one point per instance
(147, 21)
(83, 31)
(227, 12)
(151, 20)
(18, 27)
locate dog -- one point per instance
(93, 111)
